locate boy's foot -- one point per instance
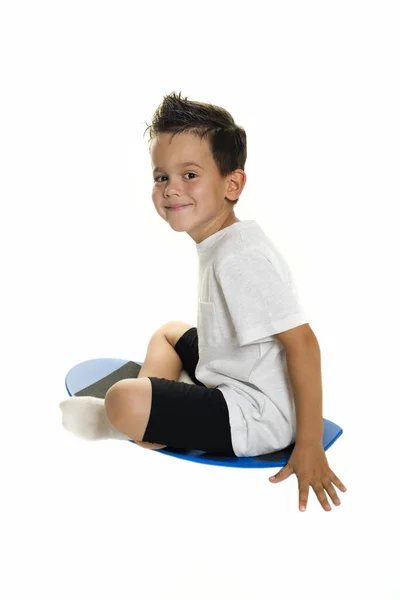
(85, 416)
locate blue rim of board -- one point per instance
(91, 371)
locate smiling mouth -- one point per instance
(174, 208)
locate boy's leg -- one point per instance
(162, 360)
(88, 418)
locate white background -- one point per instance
(89, 269)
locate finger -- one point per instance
(282, 474)
(331, 491)
(337, 482)
(303, 494)
(320, 492)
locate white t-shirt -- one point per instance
(246, 294)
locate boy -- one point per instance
(254, 360)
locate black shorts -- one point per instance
(188, 416)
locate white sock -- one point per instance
(85, 416)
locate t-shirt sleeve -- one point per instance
(261, 300)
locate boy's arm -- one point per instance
(304, 367)
(308, 460)
(303, 358)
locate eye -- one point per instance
(189, 173)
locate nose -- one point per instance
(171, 189)
(168, 193)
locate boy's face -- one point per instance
(201, 188)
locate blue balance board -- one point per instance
(95, 377)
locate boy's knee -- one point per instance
(174, 330)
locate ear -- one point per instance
(236, 183)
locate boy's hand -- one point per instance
(309, 463)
